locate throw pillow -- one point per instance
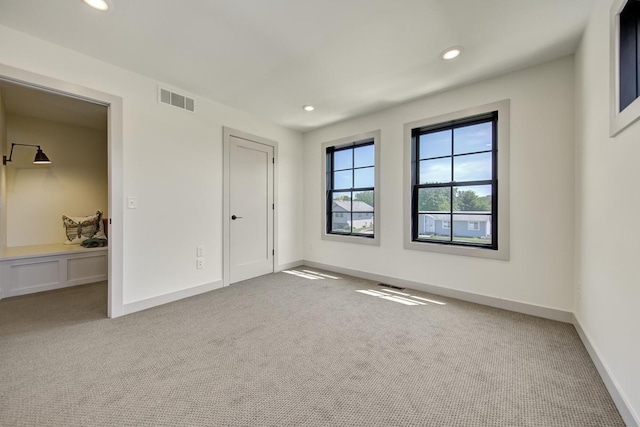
(79, 229)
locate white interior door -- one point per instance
(250, 209)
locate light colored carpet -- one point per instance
(284, 350)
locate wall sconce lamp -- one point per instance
(41, 158)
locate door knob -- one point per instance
(233, 217)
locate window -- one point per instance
(625, 64)
(455, 181)
(628, 56)
(350, 185)
(456, 197)
(351, 190)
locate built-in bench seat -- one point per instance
(36, 268)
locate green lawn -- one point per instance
(476, 240)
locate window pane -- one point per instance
(476, 198)
(435, 171)
(341, 223)
(362, 222)
(472, 167)
(433, 227)
(364, 197)
(628, 57)
(343, 159)
(343, 179)
(360, 206)
(474, 138)
(341, 202)
(434, 199)
(435, 144)
(363, 156)
(472, 229)
(363, 177)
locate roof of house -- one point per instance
(467, 216)
(353, 206)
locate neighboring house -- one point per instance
(469, 224)
(356, 214)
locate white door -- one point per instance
(250, 209)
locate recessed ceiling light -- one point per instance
(308, 107)
(97, 4)
(451, 53)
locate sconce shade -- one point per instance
(41, 158)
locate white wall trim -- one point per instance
(350, 140)
(115, 168)
(630, 418)
(505, 304)
(226, 191)
(144, 304)
(503, 108)
(289, 265)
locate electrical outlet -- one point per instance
(132, 202)
(199, 263)
(200, 251)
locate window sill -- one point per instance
(371, 241)
(478, 252)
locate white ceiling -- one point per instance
(346, 57)
(32, 102)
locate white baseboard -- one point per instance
(630, 418)
(52, 286)
(144, 304)
(519, 307)
(289, 265)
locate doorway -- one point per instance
(249, 207)
(114, 165)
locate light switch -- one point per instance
(132, 202)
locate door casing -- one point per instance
(115, 302)
(226, 213)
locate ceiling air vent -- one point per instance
(177, 100)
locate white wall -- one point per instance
(607, 177)
(3, 174)
(173, 165)
(540, 271)
(74, 184)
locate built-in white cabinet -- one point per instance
(29, 269)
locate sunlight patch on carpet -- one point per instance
(406, 299)
(420, 298)
(304, 275)
(321, 274)
(310, 274)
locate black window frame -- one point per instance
(490, 117)
(629, 54)
(330, 190)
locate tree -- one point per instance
(468, 200)
(438, 199)
(434, 199)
